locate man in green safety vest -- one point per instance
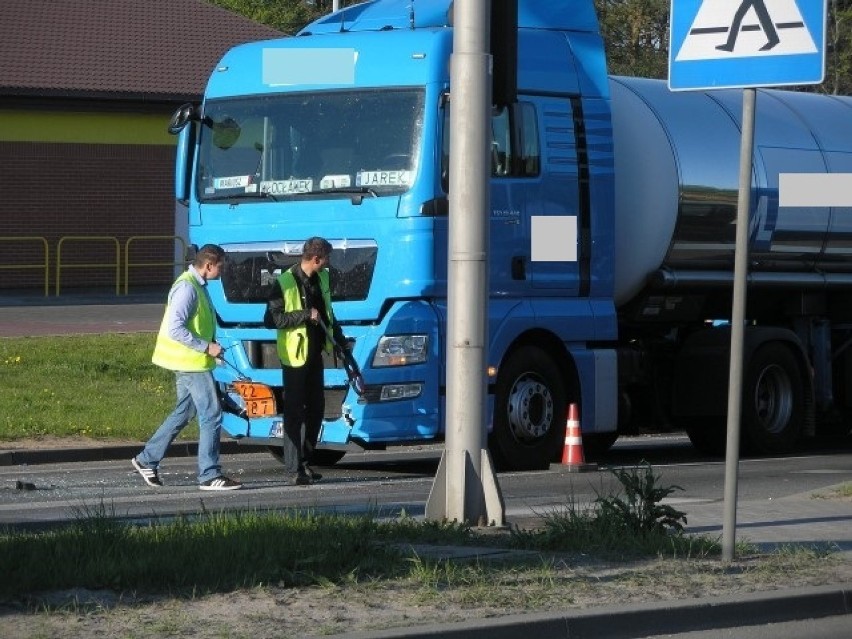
(299, 306)
(186, 345)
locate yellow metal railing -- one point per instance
(44, 266)
(89, 238)
(127, 263)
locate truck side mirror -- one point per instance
(184, 153)
(182, 117)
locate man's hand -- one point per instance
(314, 316)
(214, 349)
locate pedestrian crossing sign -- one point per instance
(718, 44)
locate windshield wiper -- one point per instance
(357, 192)
(257, 195)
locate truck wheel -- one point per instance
(321, 457)
(773, 400)
(529, 411)
(772, 407)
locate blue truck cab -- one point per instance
(343, 132)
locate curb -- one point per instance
(642, 620)
(20, 457)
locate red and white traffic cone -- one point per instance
(573, 458)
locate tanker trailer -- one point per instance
(677, 174)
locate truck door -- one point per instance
(552, 199)
(508, 251)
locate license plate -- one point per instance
(258, 398)
(260, 407)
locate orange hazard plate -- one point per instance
(259, 400)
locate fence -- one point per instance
(44, 265)
(136, 238)
(69, 241)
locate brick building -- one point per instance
(87, 88)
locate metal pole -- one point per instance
(732, 452)
(465, 487)
(335, 5)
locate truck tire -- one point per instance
(321, 457)
(529, 411)
(773, 405)
(772, 411)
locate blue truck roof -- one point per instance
(376, 15)
(372, 45)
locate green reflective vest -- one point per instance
(176, 356)
(293, 342)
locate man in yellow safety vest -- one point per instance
(186, 345)
(299, 306)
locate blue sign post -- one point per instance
(718, 44)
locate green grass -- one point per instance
(100, 551)
(844, 490)
(207, 553)
(97, 386)
(218, 552)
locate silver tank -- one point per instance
(676, 181)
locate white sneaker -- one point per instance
(148, 474)
(220, 483)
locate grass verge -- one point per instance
(223, 552)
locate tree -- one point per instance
(288, 16)
(636, 36)
(838, 63)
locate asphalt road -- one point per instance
(776, 503)
(834, 627)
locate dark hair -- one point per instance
(208, 253)
(316, 247)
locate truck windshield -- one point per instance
(309, 144)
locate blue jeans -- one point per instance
(196, 394)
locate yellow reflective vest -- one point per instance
(293, 342)
(176, 356)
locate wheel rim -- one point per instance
(773, 399)
(530, 409)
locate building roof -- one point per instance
(116, 49)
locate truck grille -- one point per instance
(250, 270)
(264, 354)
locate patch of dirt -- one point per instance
(484, 590)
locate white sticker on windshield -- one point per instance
(335, 181)
(235, 182)
(286, 187)
(383, 178)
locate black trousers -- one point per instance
(303, 409)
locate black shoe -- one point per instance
(300, 479)
(148, 474)
(220, 483)
(310, 472)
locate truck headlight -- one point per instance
(400, 350)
